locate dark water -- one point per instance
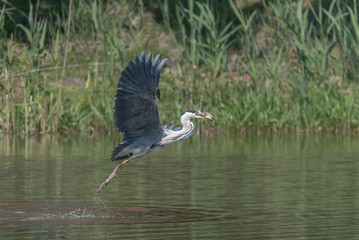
(218, 188)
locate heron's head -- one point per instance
(199, 114)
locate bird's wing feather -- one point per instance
(188, 136)
(136, 112)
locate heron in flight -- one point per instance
(136, 114)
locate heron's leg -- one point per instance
(114, 172)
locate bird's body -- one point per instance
(136, 114)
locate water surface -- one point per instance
(204, 188)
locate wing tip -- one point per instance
(161, 65)
(142, 58)
(136, 60)
(149, 57)
(156, 60)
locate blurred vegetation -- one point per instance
(258, 66)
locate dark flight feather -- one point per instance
(136, 111)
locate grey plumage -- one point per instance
(136, 113)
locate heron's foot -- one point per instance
(114, 172)
(101, 187)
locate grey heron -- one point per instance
(136, 114)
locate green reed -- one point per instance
(268, 66)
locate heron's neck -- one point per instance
(187, 126)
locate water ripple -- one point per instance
(24, 213)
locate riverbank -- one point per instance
(260, 67)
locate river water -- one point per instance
(288, 187)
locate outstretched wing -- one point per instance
(136, 112)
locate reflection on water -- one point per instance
(218, 188)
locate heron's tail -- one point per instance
(121, 152)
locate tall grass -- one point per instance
(268, 66)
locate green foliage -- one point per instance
(268, 66)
